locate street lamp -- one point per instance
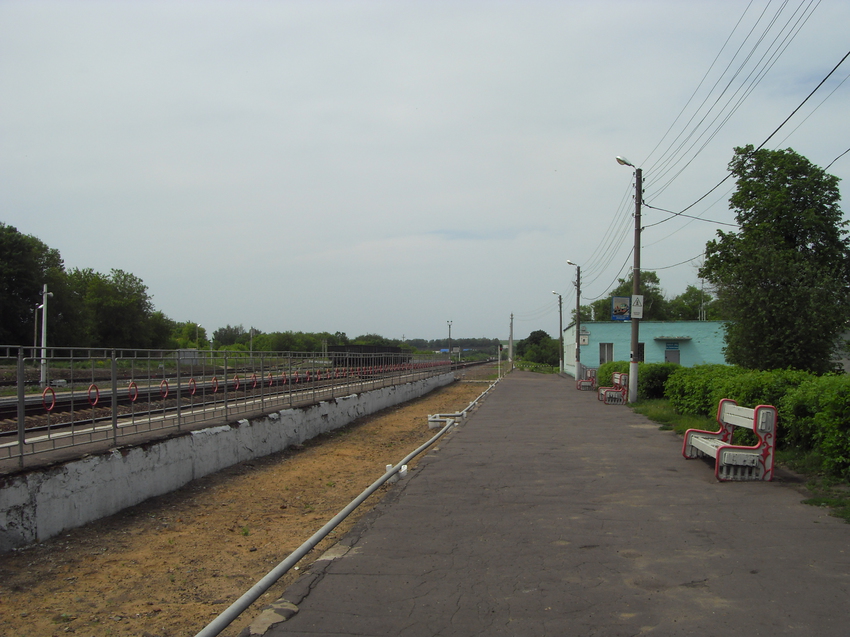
(560, 330)
(450, 341)
(44, 296)
(579, 374)
(633, 357)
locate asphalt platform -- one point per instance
(549, 513)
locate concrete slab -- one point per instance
(549, 513)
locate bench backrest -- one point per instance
(761, 420)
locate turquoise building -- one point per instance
(687, 343)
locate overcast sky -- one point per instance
(384, 167)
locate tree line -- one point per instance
(237, 337)
(115, 310)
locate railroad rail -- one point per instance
(88, 396)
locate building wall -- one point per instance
(698, 342)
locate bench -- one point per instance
(617, 394)
(736, 462)
(588, 383)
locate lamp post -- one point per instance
(560, 330)
(633, 359)
(450, 341)
(44, 296)
(579, 374)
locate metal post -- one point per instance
(21, 406)
(114, 386)
(44, 295)
(225, 383)
(176, 393)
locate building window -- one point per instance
(606, 353)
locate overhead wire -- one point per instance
(837, 158)
(613, 241)
(765, 64)
(767, 139)
(676, 154)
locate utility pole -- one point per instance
(511, 342)
(635, 345)
(579, 374)
(560, 331)
(450, 341)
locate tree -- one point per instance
(26, 264)
(654, 303)
(783, 279)
(224, 336)
(190, 335)
(692, 304)
(539, 347)
(113, 311)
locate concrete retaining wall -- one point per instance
(40, 504)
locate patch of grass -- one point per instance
(659, 410)
(538, 368)
(245, 531)
(832, 494)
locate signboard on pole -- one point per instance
(620, 308)
(637, 306)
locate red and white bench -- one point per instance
(736, 462)
(617, 394)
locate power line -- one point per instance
(785, 121)
(675, 265)
(837, 158)
(679, 214)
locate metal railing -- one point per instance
(65, 397)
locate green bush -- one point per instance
(652, 379)
(604, 373)
(816, 416)
(753, 388)
(697, 390)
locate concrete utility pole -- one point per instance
(450, 341)
(635, 345)
(579, 374)
(560, 330)
(511, 342)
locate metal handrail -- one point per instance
(107, 395)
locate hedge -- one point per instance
(813, 411)
(652, 377)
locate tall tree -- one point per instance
(115, 310)
(691, 304)
(26, 264)
(783, 279)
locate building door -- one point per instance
(671, 353)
